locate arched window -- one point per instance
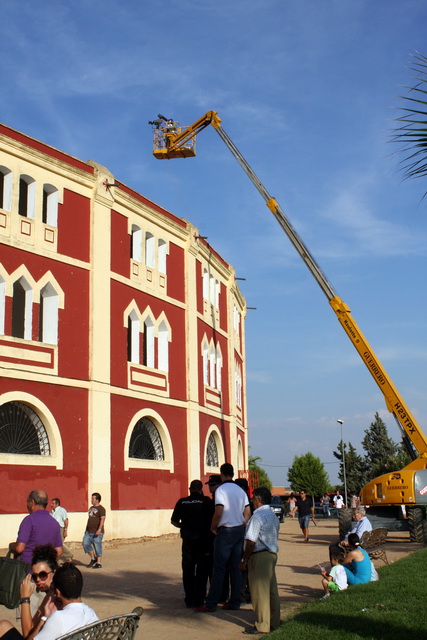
(149, 250)
(5, 188)
(133, 338)
(22, 309)
(145, 442)
(22, 431)
(27, 196)
(162, 248)
(136, 243)
(148, 444)
(48, 318)
(148, 357)
(240, 455)
(212, 458)
(163, 347)
(50, 205)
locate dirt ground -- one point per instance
(148, 574)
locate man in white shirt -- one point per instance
(70, 613)
(338, 501)
(62, 613)
(361, 524)
(260, 557)
(228, 524)
(61, 516)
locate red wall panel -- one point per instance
(73, 335)
(176, 273)
(69, 407)
(121, 297)
(223, 311)
(120, 245)
(206, 421)
(206, 329)
(147, 488)
(74, 226)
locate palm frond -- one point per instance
(411, 133)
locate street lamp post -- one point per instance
(341, 422)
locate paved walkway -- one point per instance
(148, 574)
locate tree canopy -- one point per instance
(382, 454)
(308, 472)
(355, 467)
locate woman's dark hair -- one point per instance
(45, 553)
(354, 540)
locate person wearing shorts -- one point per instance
(92, 539)
(305, 509)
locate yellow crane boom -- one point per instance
(174, 141)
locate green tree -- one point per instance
(383, 455)
(411, 133)
(355, 467)
(307, 472)
(263, 479)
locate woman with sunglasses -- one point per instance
(43, 567)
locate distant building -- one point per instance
(122, 353)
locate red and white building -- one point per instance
(122, 360)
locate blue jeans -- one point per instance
(92, 541)
(228, 548)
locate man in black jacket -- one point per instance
(193, 515)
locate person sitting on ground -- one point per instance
(357, 563)
(336, 579)
(62, 613)
(44, 564)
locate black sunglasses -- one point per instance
(42, 575)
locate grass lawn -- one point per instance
(394, 608)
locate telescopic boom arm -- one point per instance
(177, 142)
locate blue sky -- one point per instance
(307, 90)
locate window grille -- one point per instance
(145, 442)
(22, 431)
(212, 459)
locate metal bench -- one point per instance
(374, 543)
(121, 627)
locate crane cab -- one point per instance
(170, 142)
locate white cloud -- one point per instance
(361, 232)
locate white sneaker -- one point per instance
(327, 595)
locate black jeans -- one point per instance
(196, 559)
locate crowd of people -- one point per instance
(229, 555)
(230, 547)
(50, 594)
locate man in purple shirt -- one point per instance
(37, 528)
